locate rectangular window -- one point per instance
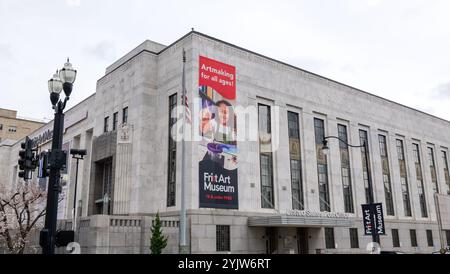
(400, 150)
(1, 126)
(413, 236)
(295, 161)
(322, 167)
(115, 119)
(383, 146)
(293, 125)
(266, 181)
(430, 156)
(296, 185)
(423, 204)
(323, 187)
(403, 177)
(354, 242)
(265, 156)
(264, 120)
(405, 196)
(363, 138)
(395, 238)
(434, 181)
(386, 175)
(125, 115)
(347, 189)
(319, 130)
(420, 186)
(446, 172)
(416, 154)
(172, 153)
(430, 238)
(329, 238)
(345, 169)
(106, 124)
(223, 238)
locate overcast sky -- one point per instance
(397, 49)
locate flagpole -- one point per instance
(183, 249)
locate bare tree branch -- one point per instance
(20, 211)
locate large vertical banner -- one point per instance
(218, 179)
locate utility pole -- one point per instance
(375, 237)
(439, 221)
(365, 145)
(183, 248)
(77, 154)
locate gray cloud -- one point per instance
(357, 42)
(5, 52)
(73, 3)
(442, 92)
(103, 50)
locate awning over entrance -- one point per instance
(300, 221)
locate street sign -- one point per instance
(374, 211)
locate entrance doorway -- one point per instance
(103, 186)
(271, 240)
(302, 240)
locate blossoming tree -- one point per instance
(21, 210)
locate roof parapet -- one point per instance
(147, 45)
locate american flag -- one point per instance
(184, 99)
(187, 111)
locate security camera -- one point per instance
(80, 152)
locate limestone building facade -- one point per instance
(288, 196)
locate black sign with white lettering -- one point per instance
(379, 219)
(218, 186)
(367, 215)
(374, 211)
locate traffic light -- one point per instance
(27, 161)
(22, 159)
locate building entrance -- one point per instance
(271, 240)
(302, 240)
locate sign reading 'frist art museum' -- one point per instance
(374, 211)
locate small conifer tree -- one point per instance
(158, 241)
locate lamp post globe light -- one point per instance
(325, 148)
(67, 75)
(62, 80)
(55, 86)
(326, 151)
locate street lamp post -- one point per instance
(77, 154)
(60, 81)
(325, 149)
